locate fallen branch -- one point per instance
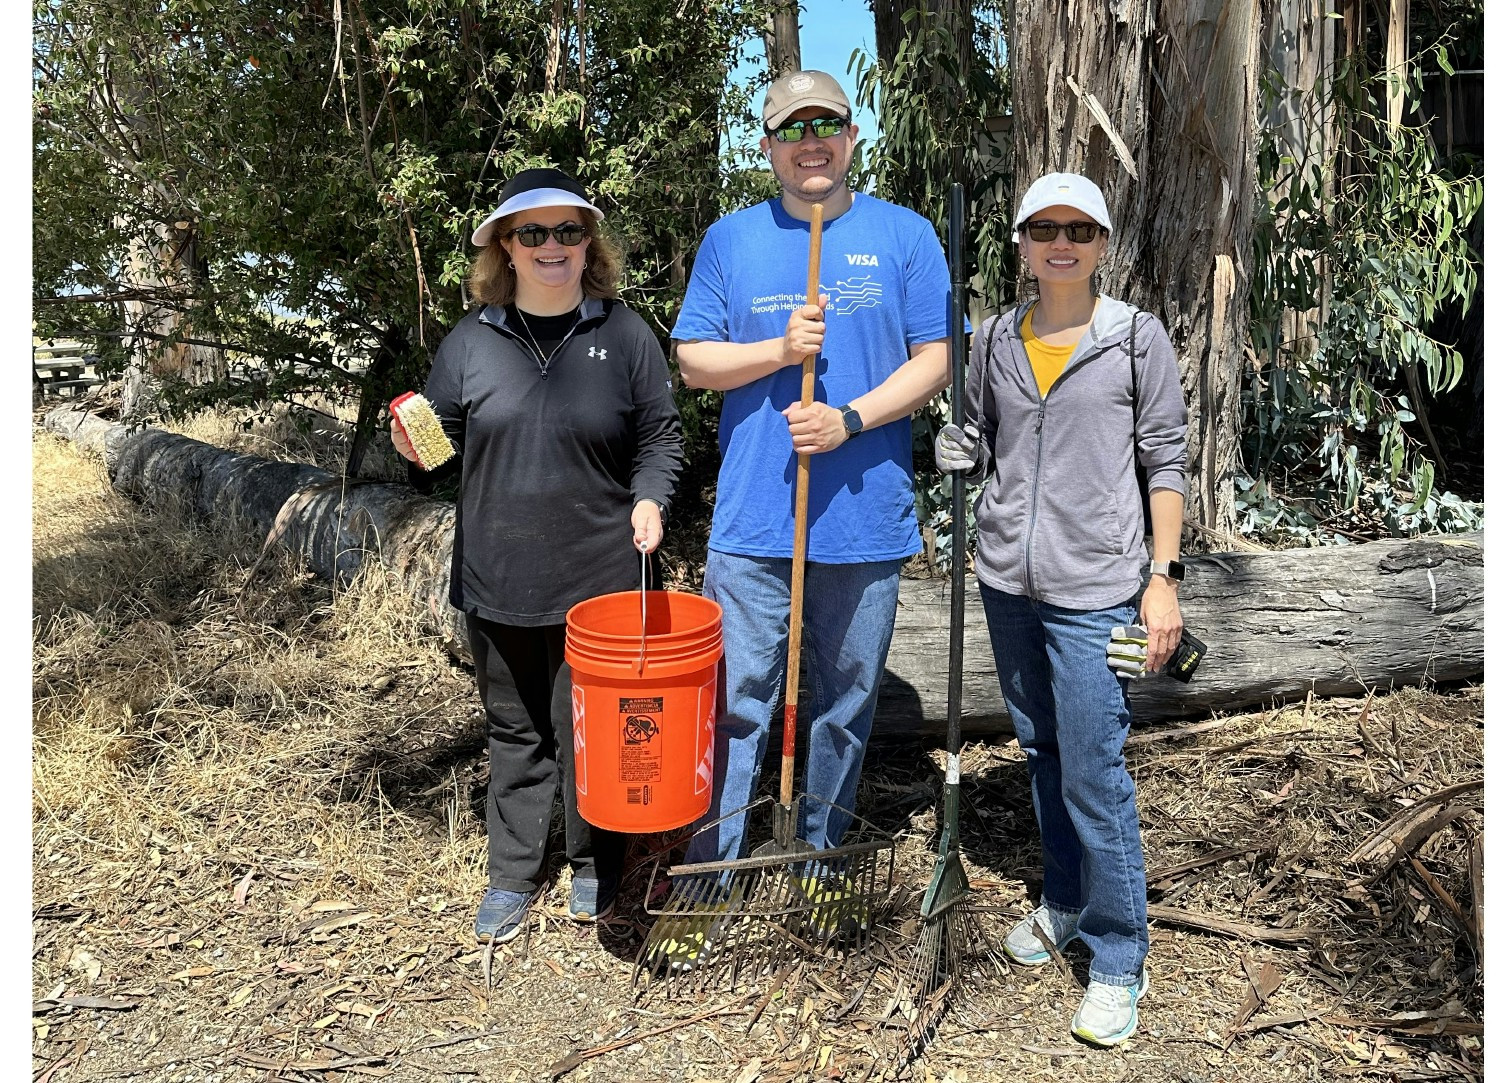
(318, 1064)
(1476, 889)
(573, 1060)
(1434, 1023)
(107, 1004)
(1212, 858)
(1135, 740)
(1171, 915)
(459, 1039)
(1441, 894)
(1408, 829)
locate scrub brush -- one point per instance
(417, 420)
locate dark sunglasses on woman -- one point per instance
(822, 127)
(534, 236)
(1078, 232)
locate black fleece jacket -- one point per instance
(554, 456)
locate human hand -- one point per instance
(804, 332)
(1160, 615)
(645, 521)
(957, 449)
(401, 443)
(816, 428)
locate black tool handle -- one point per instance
(958, 297)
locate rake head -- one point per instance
(951, 945)
(730, 924)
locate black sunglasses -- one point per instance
(534, 236)
(822, 127)
(1078, 232)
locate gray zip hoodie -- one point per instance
(1060, 517)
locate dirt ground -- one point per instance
(258, 841)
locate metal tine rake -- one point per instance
(741, 917)
(951, 934)
(783, 901)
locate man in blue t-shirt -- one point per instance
(880, 332)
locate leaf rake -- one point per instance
(951, 935)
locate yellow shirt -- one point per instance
(1047, 361)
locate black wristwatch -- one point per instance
(1172, 569)
(853, 423)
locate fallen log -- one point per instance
(1332, 621)
(1329, 621)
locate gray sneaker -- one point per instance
(1108, 1014)
(1022, 943)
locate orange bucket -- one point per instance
(643, 708)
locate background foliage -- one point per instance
(297, 184)
(1336, 428)
(323, 167)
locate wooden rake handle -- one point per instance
(799, 534)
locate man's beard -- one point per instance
(834, 185)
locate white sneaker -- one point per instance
(1108, 1015)
(1022, 943)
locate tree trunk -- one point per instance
(1329, 621)
(376, 389)
(1155, 102)
(1298, 47)
(170, 259)
(783, 39)
(942, 96)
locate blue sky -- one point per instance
(831, 31)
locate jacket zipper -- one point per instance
(542, 364)
(1036, 484)
(1036, 470)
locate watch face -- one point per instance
(853, 423)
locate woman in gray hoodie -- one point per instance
(1066, 395)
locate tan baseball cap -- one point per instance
(799, 89)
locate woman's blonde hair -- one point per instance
(492, 279)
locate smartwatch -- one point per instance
(853, 423)
(1172, 569)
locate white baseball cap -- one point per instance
(1061, 190)
(533, 188)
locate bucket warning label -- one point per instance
(640, 739)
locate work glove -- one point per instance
(957, 449)
(1126, 653)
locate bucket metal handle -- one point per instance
(640, 662)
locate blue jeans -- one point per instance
(1071, 716)
(848, 613)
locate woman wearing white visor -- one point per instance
(1067, 394)
(557, 398)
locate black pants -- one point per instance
(531, 755)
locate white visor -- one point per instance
(530, 201)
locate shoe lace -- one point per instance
(1108, 997)
(1047, 921)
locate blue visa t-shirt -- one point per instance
(883, 271)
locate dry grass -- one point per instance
(256, 818)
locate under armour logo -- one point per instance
(602, 355)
